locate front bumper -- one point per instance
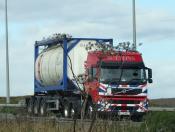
(123, 106)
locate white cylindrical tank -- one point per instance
(49, 63)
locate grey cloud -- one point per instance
(156, 25)
(114, 17)
(1, 8)
(163, 76)
(100, 15)
(21, 70)
(68, 9)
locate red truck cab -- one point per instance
(117, 82)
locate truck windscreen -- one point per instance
(127, 76)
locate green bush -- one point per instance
(159, 122)
(8, 110)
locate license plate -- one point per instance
(123, 113)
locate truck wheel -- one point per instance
(30, 106)
(89, 110)
(67, 110)
(74, 111)
(36, 107)
(43, 108)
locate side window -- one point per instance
(92, 72)
(89, 71)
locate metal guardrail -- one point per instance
(162, 108)
(12, 105)
(21, 103)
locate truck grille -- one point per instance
(117, 108)
(123, 101)
(127, 91)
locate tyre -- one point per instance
(66, 110)
(36, 107)
(43, 108)
(74, 112)
(89, 110)
(30, 106)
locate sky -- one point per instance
(32, 20)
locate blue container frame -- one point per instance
(63, 83)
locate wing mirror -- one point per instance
(149, 73)
(150, 80)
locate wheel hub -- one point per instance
(65, 112)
